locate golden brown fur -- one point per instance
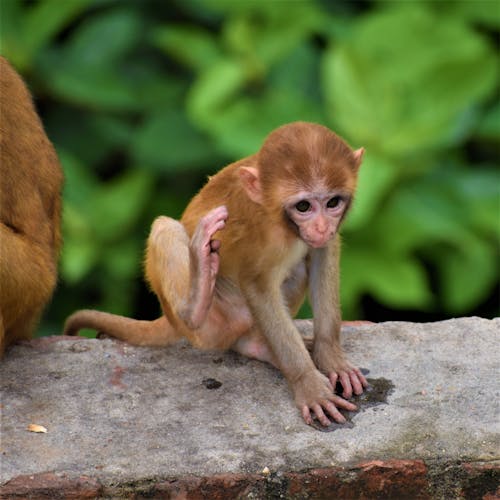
(30, 206)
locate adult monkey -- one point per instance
(233, 272)
(30, 205)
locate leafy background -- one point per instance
(144, 99)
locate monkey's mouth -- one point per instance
(317, 242)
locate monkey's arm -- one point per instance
(324, 292)
(313, 392)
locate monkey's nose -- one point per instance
(321, 229)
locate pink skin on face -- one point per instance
(317, 216)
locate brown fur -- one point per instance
(30, 205)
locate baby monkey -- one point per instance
(235, 270)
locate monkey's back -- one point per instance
(30, 205)
(31, 176)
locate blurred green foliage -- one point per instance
(143, 99)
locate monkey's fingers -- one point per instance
(214, 223)
(356, 372)
(343, 403)
(345, 380)
(202, 247)
(318, 412)
(330, 406)
(353, 381)
(306, 415)
(217, 216)
(333, 378)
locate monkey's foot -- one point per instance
(203, 250)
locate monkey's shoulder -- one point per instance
(222, 188)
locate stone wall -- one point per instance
(129, 422)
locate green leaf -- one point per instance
(377, 176)
(478, 192)
(467, 275)
(12, 42)
(80, 252)
(104, 39)
(123, 261)
(80, 184)
(168, 141)
(92, 138)
(264, 33)
(415, 87)
(89, 69)
(489, 126)
(47, 18)
(420, 214)
(485, 12)
(77, 259)
(243, 124)
(117, 205)
(93, 87)
(190, 45)
(298, 72)
(213, 89)
(397, 280)
(117, 303)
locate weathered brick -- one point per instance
(217, 487)
(398, 479)
(51, 486)
(482, 481)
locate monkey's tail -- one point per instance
(158, 332)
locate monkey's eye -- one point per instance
(303, 206)
(334, 202)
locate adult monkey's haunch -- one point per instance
(30, 206)
(234, 271)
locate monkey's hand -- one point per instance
(314, 392)
(333, 363)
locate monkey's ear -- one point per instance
(358, 157)
(250, 179)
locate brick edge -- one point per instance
(377, 479)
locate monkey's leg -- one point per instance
(183, 273)
(254, 345)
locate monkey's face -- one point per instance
(316, 216)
